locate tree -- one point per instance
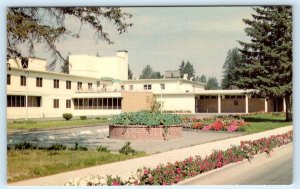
(212, 83)
(129, 73)
(203, 79)
(187, 68)
(30, 26)
(230, 73)
(268, 56)
(148, 73)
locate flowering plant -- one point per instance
(172, 173)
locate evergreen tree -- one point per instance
(203, 79)
(230, 74)
(187, 68)
(45, 25)
(129, 73)
(148, 73)
(212, 84)
(268, 56)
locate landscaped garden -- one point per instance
(243, 123)
(26, 161)
(172, 173)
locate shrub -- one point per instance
(67, 116)
(146, 118)
(24, 121)
(79, 148)
(82, 117)
(57, 146)
(127, 149)
(102, 149)
(24, 146)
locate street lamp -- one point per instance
(26, 93)
(161, 88)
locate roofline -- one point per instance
(162, 80)
(54, 73)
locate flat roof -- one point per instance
(161, 80)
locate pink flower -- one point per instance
(178, 170)
(146, 172)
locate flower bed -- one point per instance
(172, 173)
(220, 123)
(145, 125)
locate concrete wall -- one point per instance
(136, 101)
(33, 64)
(178, 102)
(94, 66)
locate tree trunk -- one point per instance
(288, 110)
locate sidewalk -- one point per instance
(123, 167)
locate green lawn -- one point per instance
(50, 124)
(263, 122)
(26, 164)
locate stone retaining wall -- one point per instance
(143, 132)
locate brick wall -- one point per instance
(143, 132)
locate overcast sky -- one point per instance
(164, 36)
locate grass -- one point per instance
(52, 124)
(264, 122)
(26, 164)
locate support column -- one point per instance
(266, 105)
(246, 103)
(284, 105)
(219, 104)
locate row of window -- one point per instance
(56, 103)
(146, 87)
(20, 101)
(98, 103)
(39, 83)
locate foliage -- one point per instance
(146, 118)
(82, 117)
(30, 26)
(129, 73)
(187, 68)
(155, 105)
(268, 56)
(102, 149)
(203, 79)
(57, 146)
(212, 84)
(24, 122)
(127, 149)
(24, 146)
(230, 74)
(79, 148)
(67, 116)
(148, 73)
(172, 173)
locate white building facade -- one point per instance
(95, 86)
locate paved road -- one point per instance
(98, 135)
(276, 169)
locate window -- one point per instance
(23, 80)
(55, 103)
(56, 83)
(236, 102)
(122, 88)
(162, 86)
(79, 85)
(39, 82)
(24, 62)
(20, 101)
(98, 83)
(90, 86)
(8, 79)
(131, 87)
(68, 84)
(68, 103)
(96, 103)
(147, 87)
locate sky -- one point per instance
(164, 36)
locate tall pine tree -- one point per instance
(268, 56)
(230, 74)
